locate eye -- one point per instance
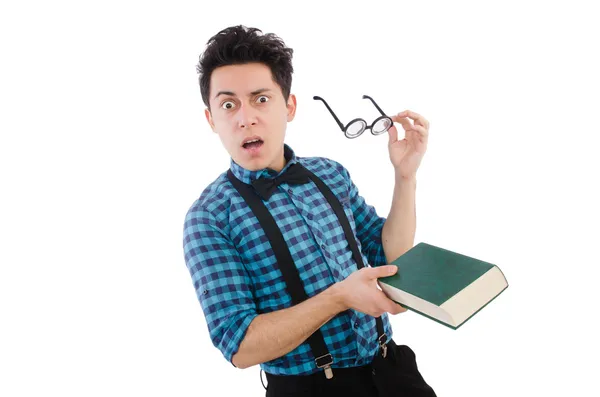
(228, 105)
(263, 99)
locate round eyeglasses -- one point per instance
(357, 126)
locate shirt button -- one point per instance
(322, 246)
(356, 324)
(290, 191)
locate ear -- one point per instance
(291, 107)
(209, 119)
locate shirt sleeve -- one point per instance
(369, 225)
(221, 281)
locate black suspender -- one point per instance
(287, 266)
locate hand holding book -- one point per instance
(359, 292)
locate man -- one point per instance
(245, 81)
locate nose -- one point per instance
(247, 117)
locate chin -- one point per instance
(253, 165)
(257, 162)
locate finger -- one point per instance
(414, 131)
(400, 116)
(382, 271)
(423, 132)
(419, 120)
(395, 308)
(406, 124)
(393, 134)
(389, 305)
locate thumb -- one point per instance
(392, 134)
(383, 271)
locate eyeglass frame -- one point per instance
(367, 126)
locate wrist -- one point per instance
(405, 179)
(338, 297)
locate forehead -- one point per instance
(241, 79)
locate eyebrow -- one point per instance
(256, 92)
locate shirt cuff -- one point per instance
(233, 338)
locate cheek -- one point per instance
(223, 125)
(225, 130)
(279, 118)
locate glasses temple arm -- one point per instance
(378, 108)
(330, 111)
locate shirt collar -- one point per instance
(248, 177)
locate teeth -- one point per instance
(254, 140)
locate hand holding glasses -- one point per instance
(357, 126)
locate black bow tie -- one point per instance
(296, 174)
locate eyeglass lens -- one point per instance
(356, 128)
(381, 126)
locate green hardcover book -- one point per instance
(442, 285)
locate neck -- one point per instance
(278, 164)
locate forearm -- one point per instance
(272, 335)
(398, 234)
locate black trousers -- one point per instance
(346, 382)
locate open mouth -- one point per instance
(254, 144)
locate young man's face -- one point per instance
(246, 103)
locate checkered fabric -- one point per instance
(234, 269)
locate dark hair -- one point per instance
(239, 45)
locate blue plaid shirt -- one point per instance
(235, 273)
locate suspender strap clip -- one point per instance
(382, 344)
(325, 362)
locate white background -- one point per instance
(104, 146)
